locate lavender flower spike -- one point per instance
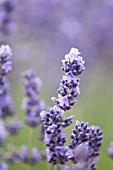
(85, 145)
(54, 137)
(31, 104)
(73, 65)
(6, 108)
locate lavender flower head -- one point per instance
(73, 65)
(85, 145)
(54, 137)
(73, 62)
(31, 104)
(6, 107)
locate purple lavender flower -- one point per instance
(54, 137)
(95, 141)
(79, 135)
(85, 145)
(73, 62)
(110, 150)
(73, 65)
(31, 104)
(51, 116)
(58, 155)
(6, 108)
(52, 119)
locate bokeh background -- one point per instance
(43, 31)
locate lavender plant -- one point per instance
(32, 107)
(85, 142)
(83, 150)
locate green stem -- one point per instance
(30, 138)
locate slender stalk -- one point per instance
(30, 138)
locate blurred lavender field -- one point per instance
(43, 31)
